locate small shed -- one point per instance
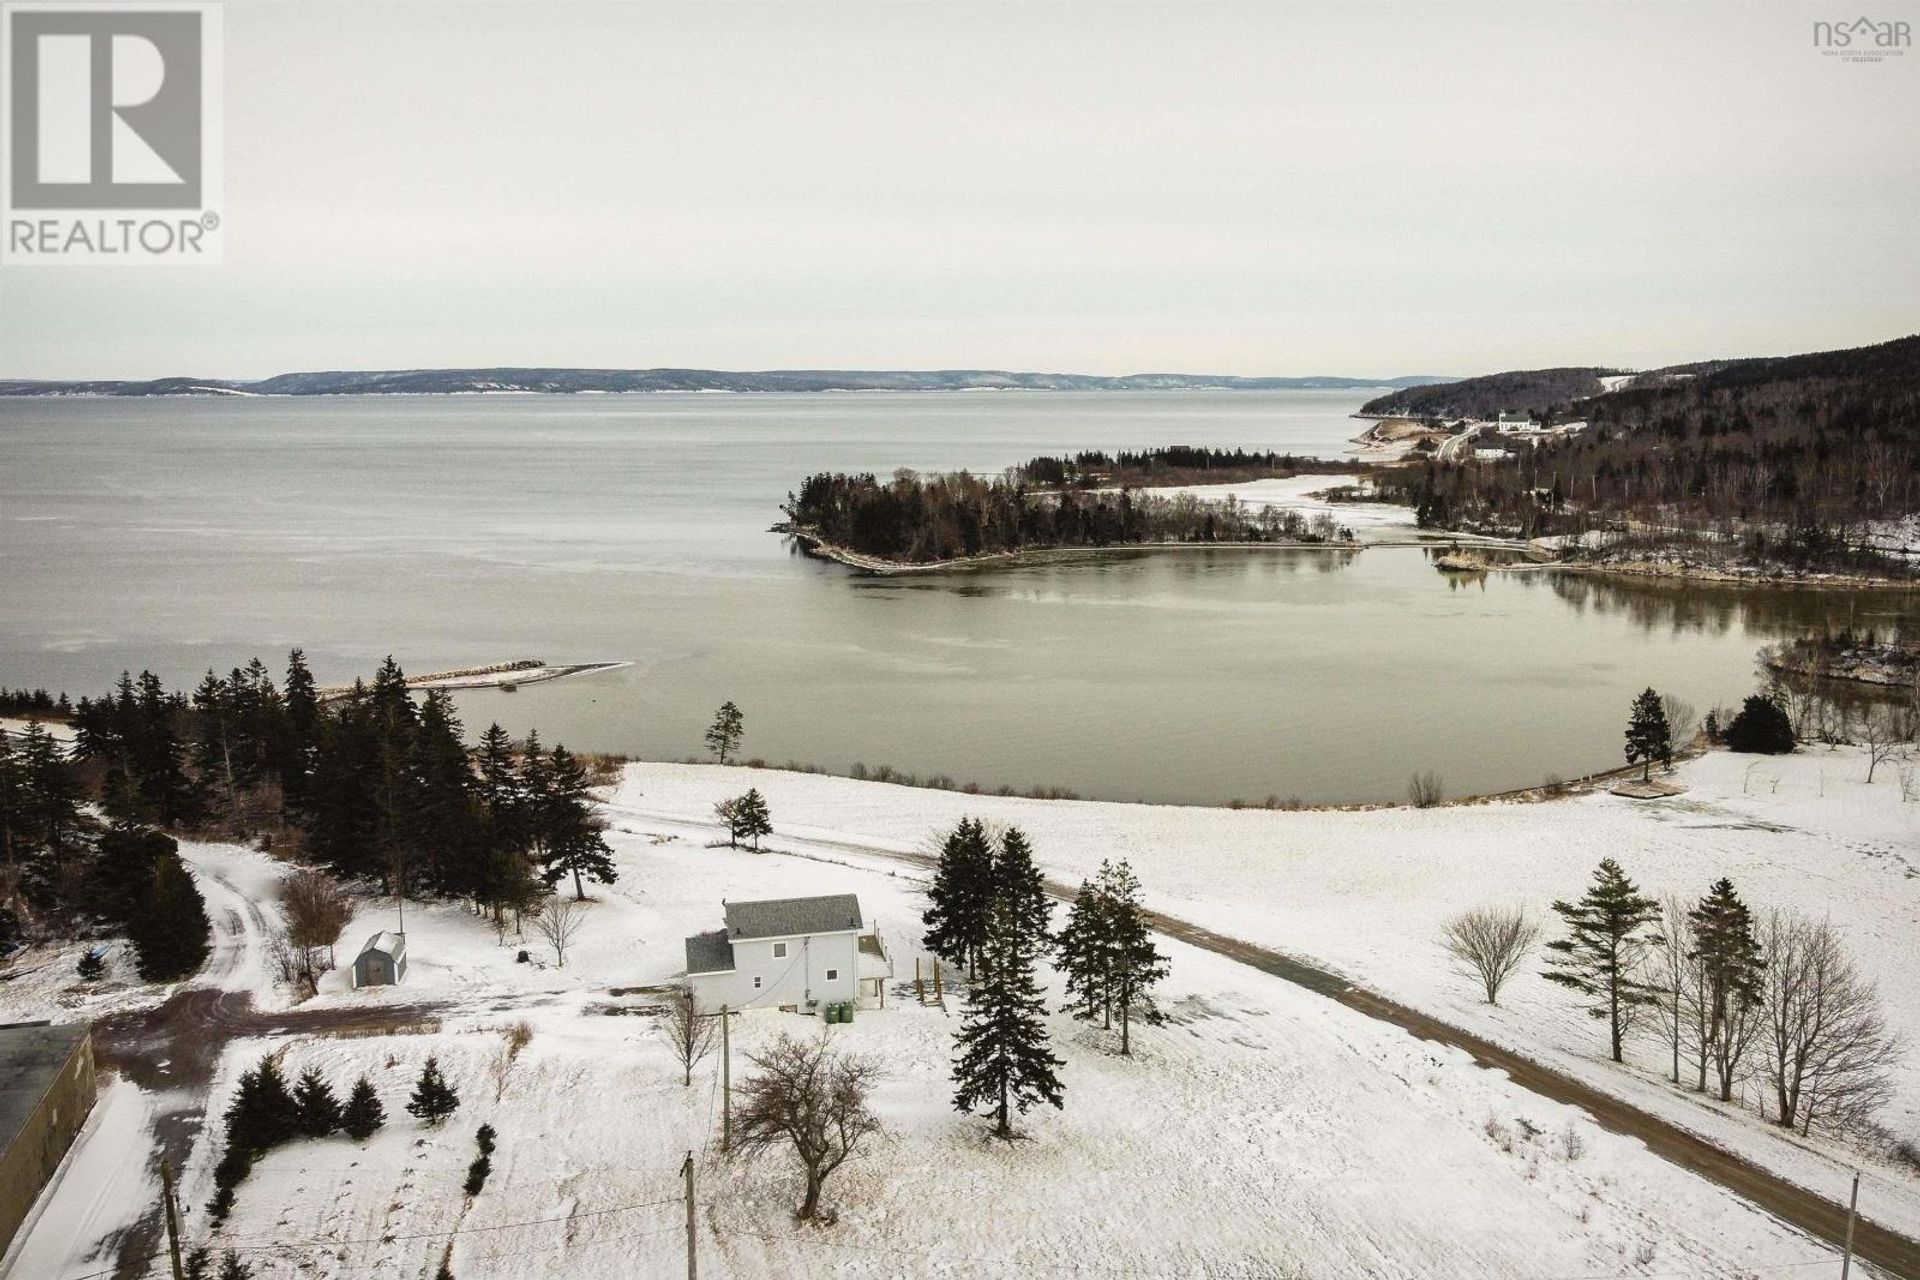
(382, 962)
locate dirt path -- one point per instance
(172, 1050)
(1894, 1254)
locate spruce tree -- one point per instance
(960, 899)
(293, 753)
(1608, 932)
(1731, 963)
(752, 817)
(172, 935)
(1001, 1062)
(1649, 737)
(1137, 965)
(319, 1109)
(573, 841)
(363, 1114)
(1761, 727)
(1018, 885)
(723, 736)
(1083, 951)
(231, 1268)
(199, 1264)
(442, 828)
(433, 1099)
(263, 1114)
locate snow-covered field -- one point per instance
(1368, 520)
(1264, 1131)
(1365, 893)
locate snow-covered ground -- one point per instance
(1265, 1131)
(1368, 520)
(1364, 893)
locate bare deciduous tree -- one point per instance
(1829, 1052)
(317, 910)
(805, 1095)
(689, 1033)
(1884, 732)
(558, 920)
(1675, 973)
(1490, 943)
(514, 1037)
(1682, 720)
(1424, 790)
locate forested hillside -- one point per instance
(1529, 391)
(1794, 460)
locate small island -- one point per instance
(1046, 506)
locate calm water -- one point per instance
(183, 534)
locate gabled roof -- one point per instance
(709, 953)
(394, 944)
(791, 917)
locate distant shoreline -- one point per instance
(819, 548)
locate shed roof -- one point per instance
(393, 944)
(709, 953)
(791, 917)
(32, 1055)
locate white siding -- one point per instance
(797, 979)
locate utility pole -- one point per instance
(693, 1259)
(726, 1081)
(173, 1219)
(1853, 1203)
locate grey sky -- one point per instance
(1253, 188)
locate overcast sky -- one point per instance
(1102, 187)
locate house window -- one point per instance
(779, 951)
(832, 974)
(756, 982)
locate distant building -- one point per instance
(382, 962)
(46, 1091)
(789, 953)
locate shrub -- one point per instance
(1761, 728)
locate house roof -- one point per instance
(791, 917)
(394, 944)
(709, 953)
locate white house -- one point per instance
(788, 953)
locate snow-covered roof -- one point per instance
(792, 917)
(393, 944)
(709, 953)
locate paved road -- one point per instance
(1894, 1254)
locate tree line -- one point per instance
(919, 520)
(1163, 467)
(371, 785)
(1781, 462)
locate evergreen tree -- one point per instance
(319, 1109)
(572, 841)
(363, 1114)
(1083, 950)
(231, 1268)
(723, 736)
(125, 859)
(752, 818)
(1761, 727)
(1731, 965)
(1001, 1061)
(1018, 885)
(343, 820)
(1137, 965)
(48, 814)
(199, 1264)
(300, 737)
(442, 826)
(1649, 737)
(166, 794)
(216, 724)
(263, 1113)
(172, 935)
(1608, 933)
(433, 1098)
(13, 813)
(960, 899)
